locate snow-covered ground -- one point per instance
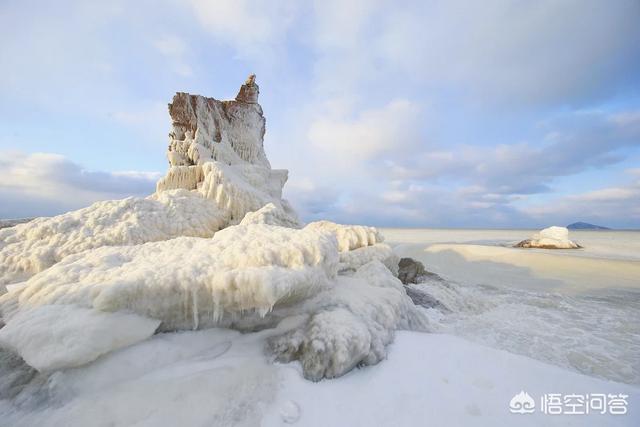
(221, 377)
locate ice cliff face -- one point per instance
(215, 246)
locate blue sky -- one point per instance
(438, 114)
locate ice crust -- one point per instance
(215, 246)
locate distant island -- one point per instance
(586, 226)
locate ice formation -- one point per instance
(52, 337)
(550, 238)
(354, 320)
(27, 249)
(216, 147)
(270, 214)
(215, 246)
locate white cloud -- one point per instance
(610, 206)
(372, 133)
(572, 143)
(496, 51)
(175, 50)
(46, 183)
(253, 27)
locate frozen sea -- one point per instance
(576, 308)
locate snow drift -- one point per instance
(215, 246)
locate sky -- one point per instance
(492, 114)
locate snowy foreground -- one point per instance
(221, 377)
(209, 303)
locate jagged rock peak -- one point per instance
(206, 129)
(249, 91)
(216, 148)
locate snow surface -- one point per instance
(219, 377)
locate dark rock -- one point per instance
(523, 244)
(249, 91)
(410, 270)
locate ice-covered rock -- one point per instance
(349, 236)
(247, 277)
(218, 173)
(354, 320)
(216, 148)
(215, 246)
(237, 276)
(550, 238)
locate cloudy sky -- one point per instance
(434, 113)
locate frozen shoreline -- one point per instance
(222, 377)
(578, 309)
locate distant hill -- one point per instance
(585, 226)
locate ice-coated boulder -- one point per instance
(550, 238)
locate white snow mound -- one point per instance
(550, 238)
